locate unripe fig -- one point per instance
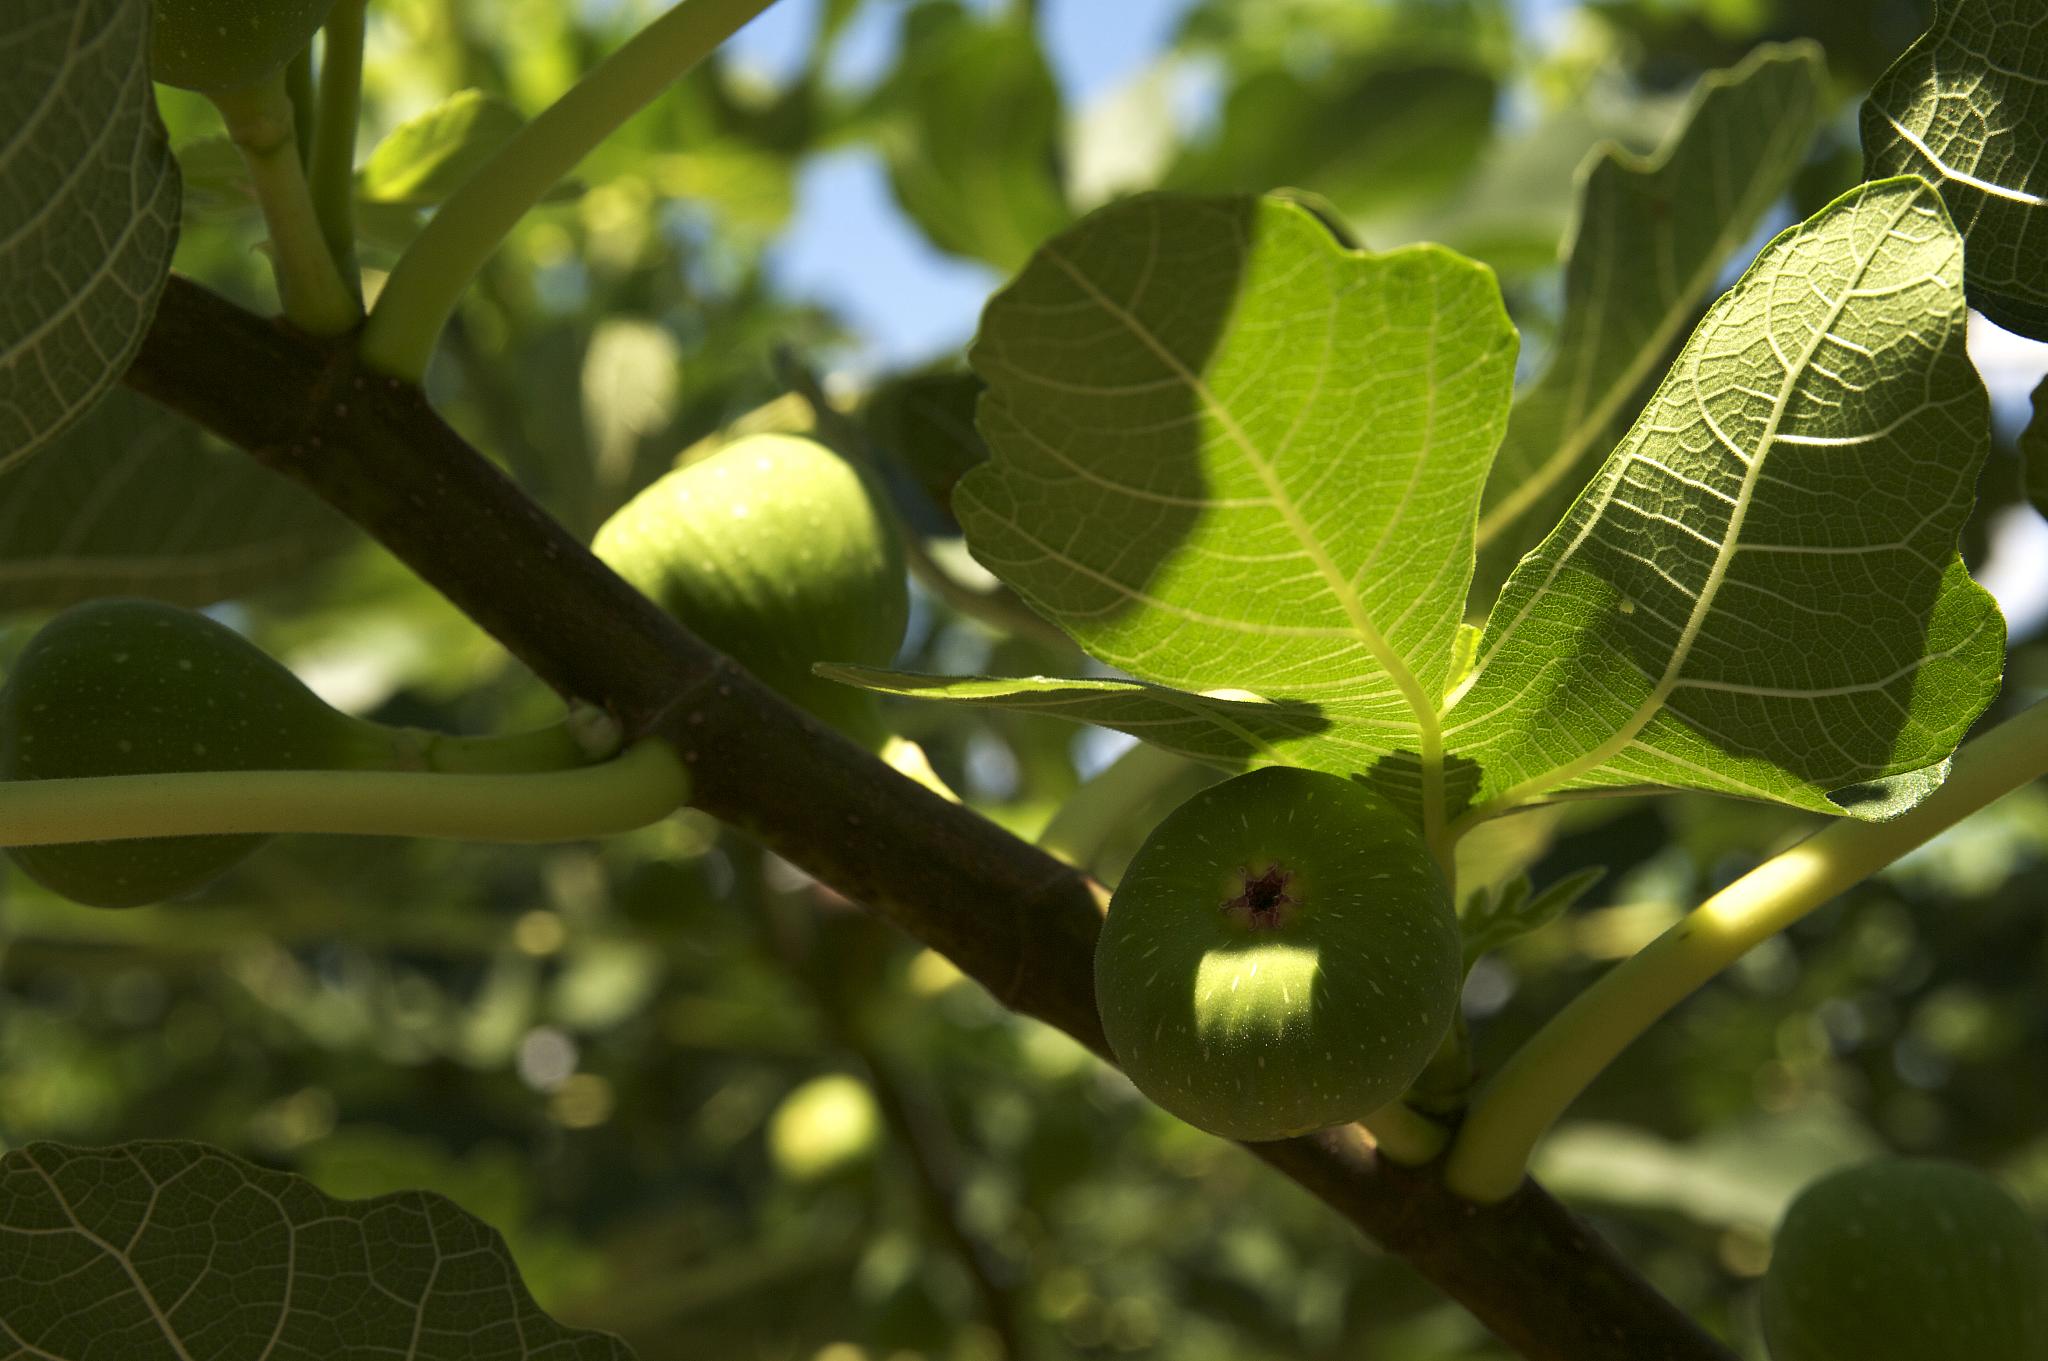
(217, 46)
(127, 687)
(774, 551)
(1906, 1259)
(1281, 955)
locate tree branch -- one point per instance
(1018, 921)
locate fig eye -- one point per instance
(1264, 897)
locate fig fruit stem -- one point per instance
(1448, 1078)
(557, 747)
(332, 172)
(642, 786)
(260, 123)
(1405, 1135)
(1546, 1075)
(437, 267)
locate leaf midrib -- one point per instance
(1424, 709)
(1992, 188)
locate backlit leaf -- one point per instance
(1966, 106)
(1653, 235)
(426, 157)
(1760, 594)
(1228, 453)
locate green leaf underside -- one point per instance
(1759, 594)
(88, 208)
(1652, 235)
(136, 501)
(1225, 452)
(177, 1250)
(1966, 106)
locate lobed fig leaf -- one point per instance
(218, 46)
(1280, 956)
(774, 551)
(130, 687)
(1906, 1259)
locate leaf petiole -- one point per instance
(260, 123)
(642, 786)
(470, 226)
(332, 169)
(298, 85)
(1547, 1074)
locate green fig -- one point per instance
(126, 687)
(774, 551)
(1280, 956)
(1906, 1259)
(219, 46)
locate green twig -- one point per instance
(475, 220)
(332, 175)
(643, 786)
(1526, 1097)
(259, 121)
(298, 83)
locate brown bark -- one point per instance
(1018, 921)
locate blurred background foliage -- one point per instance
(710, 1105)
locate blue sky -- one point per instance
(848, 245)
(850, 248)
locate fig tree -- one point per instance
(129, 687)
(1906, 1259)
(219, 46)
(774, 551)
(1280, 956)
